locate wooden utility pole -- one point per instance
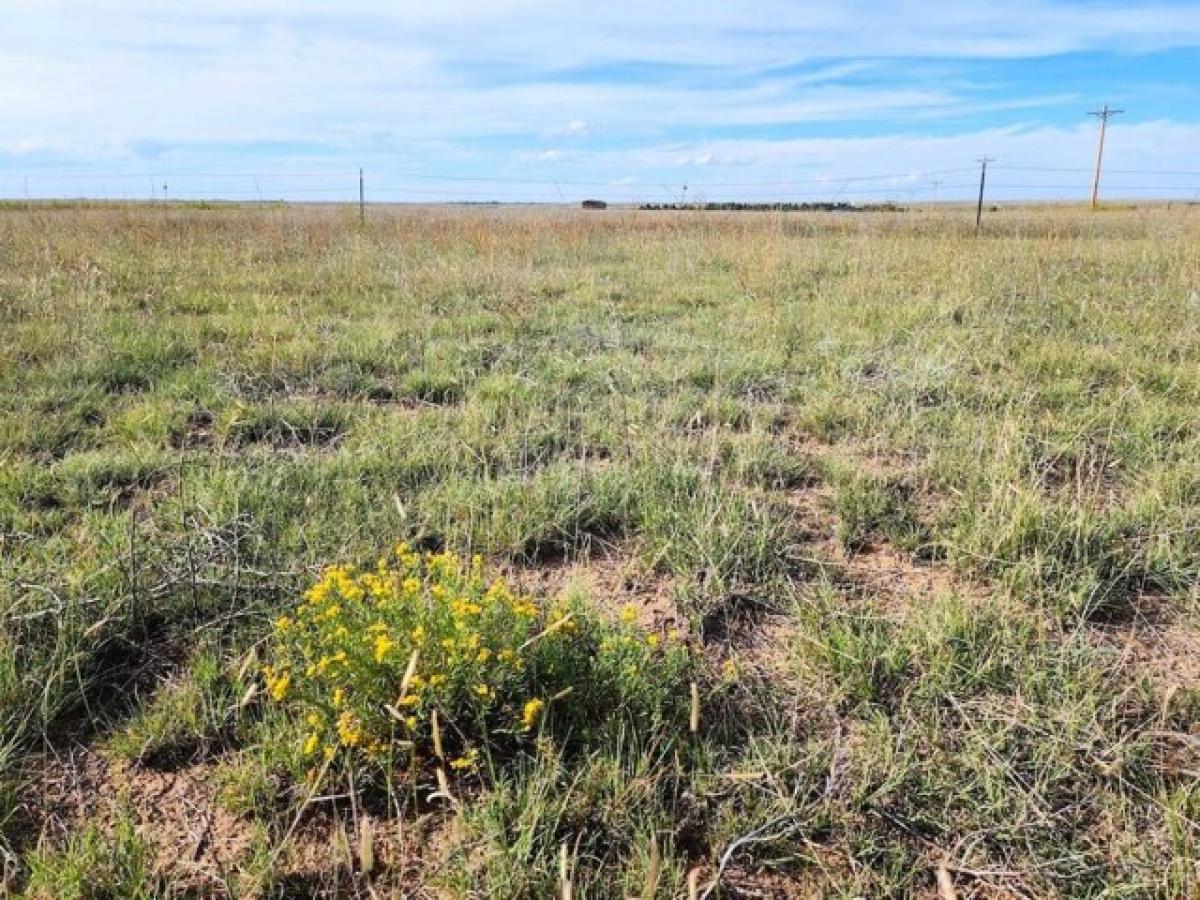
(362, 198)
(982, 180)
(1102, 115)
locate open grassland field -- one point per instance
(837, 555)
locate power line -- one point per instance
(505, 179)
(498, 179)
(437, 186)
(1165, 172)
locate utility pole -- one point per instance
(1102, 115)
(936, 184)
(982, 180)
(362, 198)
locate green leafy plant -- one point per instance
(424, 658)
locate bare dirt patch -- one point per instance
(201, 849)
(903, 583)
(876, 461)
(197, 844)
(196, 432)
(613, 577)
(1157, 640)
(744, 884)
(330, 854)
(899, 581)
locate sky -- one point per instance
(557, 100)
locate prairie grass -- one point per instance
(796, 421)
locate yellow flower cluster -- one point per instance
(369, 657)
(277, 682)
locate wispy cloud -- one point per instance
(576, 128)
(497, 87)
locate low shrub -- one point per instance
(423, 660)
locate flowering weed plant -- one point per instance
(424, 658)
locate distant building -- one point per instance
(594, 204)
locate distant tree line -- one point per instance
(731, 206)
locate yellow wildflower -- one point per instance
(277, 682)
(383, 646)
(349, 729)
(318, 592)
(531, 713)
(525, 608)
(465, 762)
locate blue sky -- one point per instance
(542, 100)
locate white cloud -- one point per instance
(1029, 162)
(708, 158)
(576, 128)
(474, 83)
(221, 70)
(546, 156)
